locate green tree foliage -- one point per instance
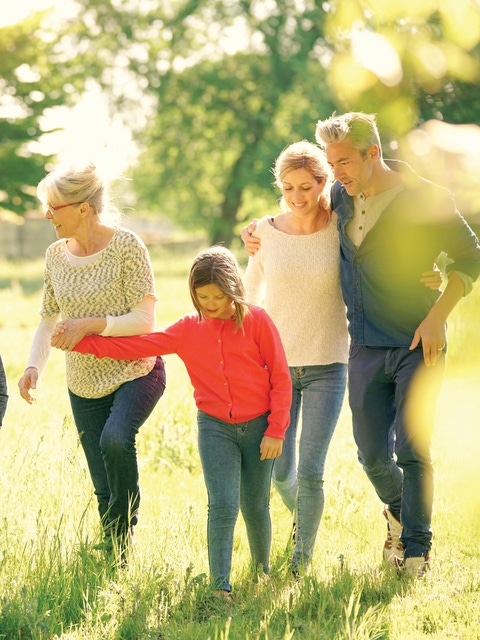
(40, 69)
(214, 89)
(233, 82)
(212, 161)
(407, 61)
(417, 65)
(23, 99)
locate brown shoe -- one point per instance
(393, 548)
(417, 567)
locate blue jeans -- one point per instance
(107, 427)
(318, 391)
(235, 478)
(392, 396)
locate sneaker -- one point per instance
(224, 596)
(393, 548)
(417, 567)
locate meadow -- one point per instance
(55, 585)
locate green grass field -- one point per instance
(53, 584)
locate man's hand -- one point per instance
(432, 331)
(270, 447)
(432, 279)
(252, 243)
(432, 334)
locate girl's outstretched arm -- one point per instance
(158, 343)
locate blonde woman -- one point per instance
(98, 279)
(296, 275)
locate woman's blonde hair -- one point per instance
(217, 265)
(303, 155)
(83, 183)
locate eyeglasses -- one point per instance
(60, 206)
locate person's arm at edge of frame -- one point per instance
(3, 392)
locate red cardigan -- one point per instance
(236, 376)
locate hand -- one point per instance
(433, 336)
(68, 333)
(27, 382)
(432, 279)
(270, 447)
(251, 242)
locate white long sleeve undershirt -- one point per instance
(140, 320)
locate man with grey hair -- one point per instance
(392, 225)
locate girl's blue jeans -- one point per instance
(318, 393)
(236, 479)
(108, 427)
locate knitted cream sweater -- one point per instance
(297, 279)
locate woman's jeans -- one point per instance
(107, 428)
(392, 397)
(235, 478)
(318, 391)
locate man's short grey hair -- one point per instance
(360, 128)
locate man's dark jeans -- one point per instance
(392, 396)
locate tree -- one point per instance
(406, 61)
(39, 70)
(233, 82)
(23, 101)
(214, 89)
(221, 117)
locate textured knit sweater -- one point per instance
(236, 375)
(297, 279)
(111, 285)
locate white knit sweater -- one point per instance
(297, 279)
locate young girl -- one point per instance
(242, 388)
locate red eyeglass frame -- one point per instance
(62, 206)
